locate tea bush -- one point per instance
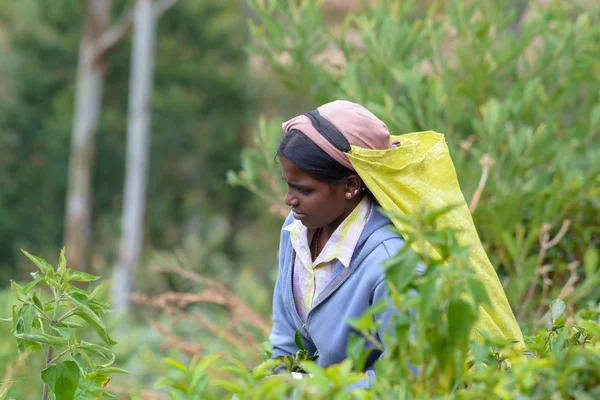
(514, 89)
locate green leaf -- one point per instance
(298, 340)
(69, 324)
(175, 364)
(557, 308)
(366, 322)
(63, 331)
(42, 338)
(37, 279)
(18, 292)
(112, 370)
(91, 388)
(37, 303)
(199, 371)
(229, 386)
(478, 291)
(62, 263)
(4, 393)
(98, 350)
(401, 269)
(590, 261)
(95, 292)
(46, 268)
(86, 313)
(79, 276)
(265, 369)
(62, 379)
(460, 321)
(356, 351)
(433, 215)
(25, 317)
(78, 358)
(591, 328)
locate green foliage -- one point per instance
(51, 326)
(200, 105)
(429, 353)
(193, 381)
(520, 85)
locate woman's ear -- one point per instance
(353, 187)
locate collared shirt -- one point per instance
(310, 278)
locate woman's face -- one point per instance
(318, 204)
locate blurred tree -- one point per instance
(146, 13)
(200, 107)
(96, 40)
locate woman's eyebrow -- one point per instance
(295, 185)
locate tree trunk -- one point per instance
(88, 102)
(138, 148)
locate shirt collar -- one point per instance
(342, 242)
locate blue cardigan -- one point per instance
(349, 294)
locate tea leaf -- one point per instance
(591, 259)
(37, 279)
(37, 302)
(46, 268)
(298, 340)
(70, 324)
(79, 276)
(91, 388)
(478, 291)
(460, 321)
(62, 379)
(41, 337)
(97, 350)
(175, 364)
(85, 313)
(557, 308)
(62, 263)
(200, 369)
(111, 370)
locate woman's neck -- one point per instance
(328, 230)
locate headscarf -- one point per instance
(358, 125)
(402, 178)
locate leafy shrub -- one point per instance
(516, 88)
(51, 327)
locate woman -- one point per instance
(334, 241)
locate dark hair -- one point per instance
(310, 158)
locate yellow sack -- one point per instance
(420, 171)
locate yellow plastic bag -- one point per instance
(420, 171)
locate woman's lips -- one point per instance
(298, 215)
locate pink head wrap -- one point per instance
(358, 125)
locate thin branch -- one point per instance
(161, 6)
(67, 315)
(545, 245)
(55, 359)
(111, 37)
(486, 163)
(565, 292)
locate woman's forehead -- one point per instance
(293, 174)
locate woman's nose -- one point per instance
(290, 200)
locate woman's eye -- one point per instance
(304, 192)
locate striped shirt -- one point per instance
(310, 278)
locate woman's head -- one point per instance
(322, 185)
(321, 191)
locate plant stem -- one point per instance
(55, 359)
(67, 315)
(48, 359)
(50, 349)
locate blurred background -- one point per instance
(141, 135)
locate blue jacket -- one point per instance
(350, 293)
